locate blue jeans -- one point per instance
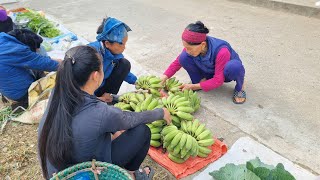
(233, 71)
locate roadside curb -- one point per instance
(308, 11)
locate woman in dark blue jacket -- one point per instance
(20, 64)
(78, 127)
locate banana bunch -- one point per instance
(149, 103)
(193, 97)
(179, 108)
(201, 133)
(172, 85)
(156, 128)
(150, 83)
(123, 106)
(179, 144)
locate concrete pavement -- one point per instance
(279, 50)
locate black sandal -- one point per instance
(242, 93)
(141, 174)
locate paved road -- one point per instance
(280, 52)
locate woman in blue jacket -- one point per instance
(21, 65)
(111, 42)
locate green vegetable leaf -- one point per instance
(279, 173)
(234, 172)
(259, 168)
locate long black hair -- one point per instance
(55, 143)
(197, 27)
(27, 37)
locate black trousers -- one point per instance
(117, 76)
(131, 147)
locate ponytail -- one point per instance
(55, 143)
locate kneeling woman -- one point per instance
(78, 127)
(209, 62)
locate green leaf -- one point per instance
(259, 168)
(234, 172)
(279, 173)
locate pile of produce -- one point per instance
(150, 83)
(186, 136)
(172, 85)
(192, 97)
(252, 170)
(39, 24)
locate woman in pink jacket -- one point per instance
(209, 62)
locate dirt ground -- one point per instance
(18, 154)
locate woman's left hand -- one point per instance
(106, 97)
(116, 134)
(186, 87)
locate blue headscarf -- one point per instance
(113, 31)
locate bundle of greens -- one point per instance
(39, 24)
(252, 170)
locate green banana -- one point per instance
(203, 134)
(175, 141)
(189, 142)
(180, 99)
(176, 159)
(183, 140)
(175, 119)
(155, 130)
(134, 100)
(155, 143)
(165, 144)
(185, 109)
(206, 142)
(183, 104)
(155, 92)
(184, 126)
(166, 130)
(155, 80)
(153, 104)
(183, 152)
(195, 125)
(159, 123)
(150, 126)
(204, 150)
(140, 97)
(171, 135)
(164, 101)
(200, 154)
(189, 126)
(199, 130)
(183, 115)
(176, 150)
(194, 149)
(155, 136)
(133, 106)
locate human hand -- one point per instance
(163, 78)
(186, 87)
(116, 134)
(106, 97)
(167, 115)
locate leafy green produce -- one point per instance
(39, 24)
(252, 170)
(234, 172)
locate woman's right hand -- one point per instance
(167, 116)
(163, 78)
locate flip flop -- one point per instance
(242, 93)
(141, 174)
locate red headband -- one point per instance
(193, 37)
